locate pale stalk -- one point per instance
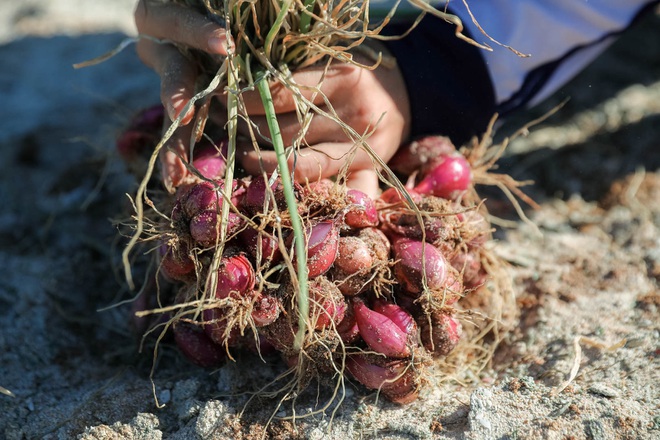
(300, 248)
(232, 117)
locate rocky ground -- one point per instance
(583, 363)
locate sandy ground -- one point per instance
(587, 286)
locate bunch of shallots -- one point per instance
(385, 277)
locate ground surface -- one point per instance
(587, 285)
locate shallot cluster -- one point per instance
(386, 278)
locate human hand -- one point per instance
(179, 24)
(369, 101)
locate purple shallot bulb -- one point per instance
(201, 197)
(236, 276)
(450, 177)
(196, 345)
(440, 332)
(210, 160)
(392, 377)
(379, 332)
(419, 153)
(398, 315)
(175, 263)
(416, 258)
(362, 210)
(322, 247)
(215, 327)
(265, 309)
(258, 243)
(205, 228)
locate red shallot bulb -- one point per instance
(215, 327)
(142, 133)
(205, 230)
(260, 244)
(440, 332)
(235, 276)
(469, 265)
(419, 153)
(210, 160)
(362, 210)
(327, 306)
(175, 263)
(348, 329)
(416, 258)
(354, 255)
(322, 247)
(265, 309)
(380, 333)
(321, 188)
(203, 196)
(398, 315)
(392, 196)
(392, 377)
(256, 196)
(195, 344)
(450, 176)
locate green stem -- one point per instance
(306, 17)
(275, 28)
(292, 205)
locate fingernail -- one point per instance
(174, 109)
(171, 111)
(218, 45)
(167, 180)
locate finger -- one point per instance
(177, 76)
(180, 24)
(366, 180)
(319, 129)
(172, 168)
(315, 84)
(309, 164)
(350, 114)
(323, 161)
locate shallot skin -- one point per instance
(451, 176)
(420, 153)
(440, 333)
(210, 160)
(175, 263)
(392, 377)
(380, 333)
(361, 212)
(195, 344)
(417, 259)
(322, 247)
